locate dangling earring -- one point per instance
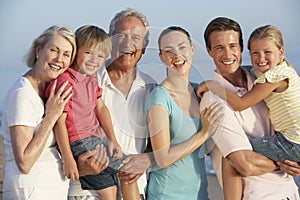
(37, 57)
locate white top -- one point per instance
(232, 136)
(23, 106)
(129, 117)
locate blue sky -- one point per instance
(23, 20)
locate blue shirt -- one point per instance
(186, 178)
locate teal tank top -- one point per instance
(185, 179)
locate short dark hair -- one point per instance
(222, 24)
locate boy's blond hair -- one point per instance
(92, 36)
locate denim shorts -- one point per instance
(276, 147)
(107, 177)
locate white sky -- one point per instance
(23, 20)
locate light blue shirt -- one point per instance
(186, 178)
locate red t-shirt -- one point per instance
(81, 121)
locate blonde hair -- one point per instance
(269, 32)
(92, 36)
(45, 37)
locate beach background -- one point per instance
(22, 21)
(214, 189)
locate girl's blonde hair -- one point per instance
(269, 32)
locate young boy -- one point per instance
(78, 126)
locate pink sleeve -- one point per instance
(99, 92)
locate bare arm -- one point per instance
(61, 134)
(134, 166)
(105, 121)
(202, 88)
(159, 127)
(232, 182)
(27, 147)
(259, 92)
(250, 163)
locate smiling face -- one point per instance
(265, 54)
(225, 51)
(89, 60)
(176, 52)
(128, 43)
(55, 57)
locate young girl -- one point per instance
(278, 84)
(77, 129)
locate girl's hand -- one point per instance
(211, 85)
(211, 117)
(56, 102)
(202, 88)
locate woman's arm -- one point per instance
(159, 128)
(27, 146)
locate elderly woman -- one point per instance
(33, 166)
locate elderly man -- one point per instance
(125, 90)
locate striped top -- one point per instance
(284, 107)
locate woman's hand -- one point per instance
(56, 102)
(28, 146)
(211, 117)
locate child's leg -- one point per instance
(276, 147)
(232, 182)
(109, 193)
(130, 191)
